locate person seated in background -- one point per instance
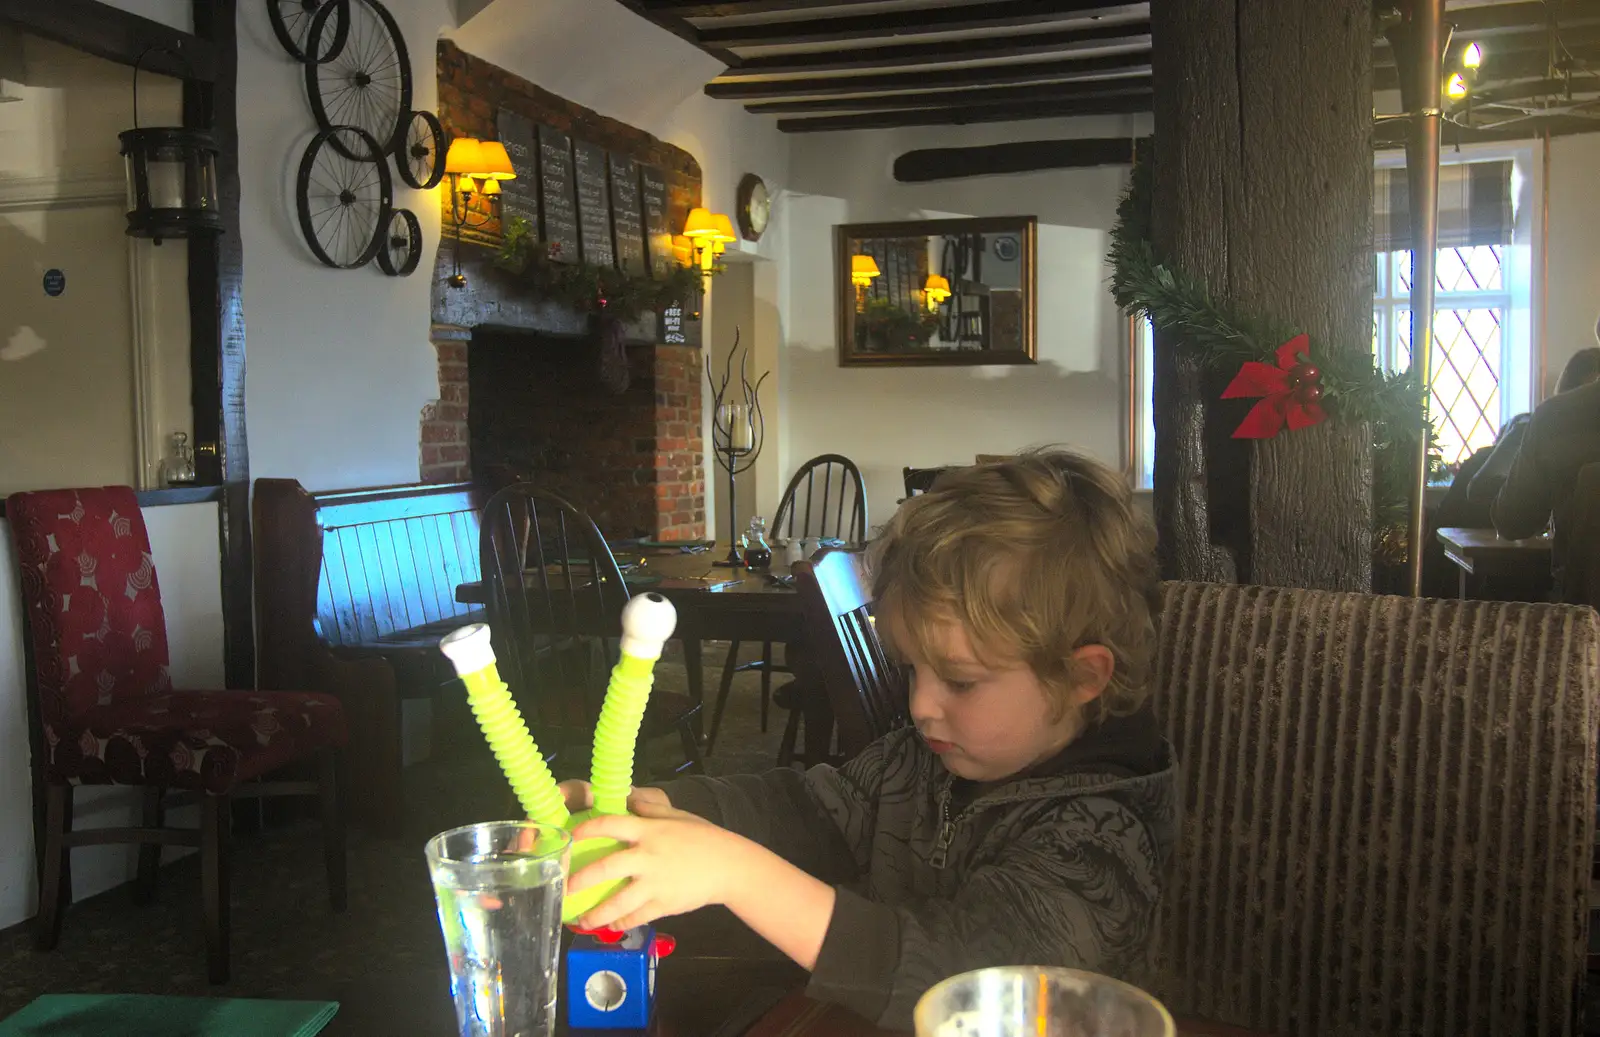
(1562, 436)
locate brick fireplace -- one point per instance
(520, 397)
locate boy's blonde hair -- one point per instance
(1035, 556)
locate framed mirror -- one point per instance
(937, 292)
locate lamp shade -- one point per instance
(464, 156)
(724, 226)
(863, 266)
(493, 162)
(937, 288)
(491, 185)
(700, 224)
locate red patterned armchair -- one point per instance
(103, 710)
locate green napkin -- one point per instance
(136, 1015)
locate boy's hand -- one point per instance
(678, 862)
(579, 795)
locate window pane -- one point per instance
(1147, 365)
(1467, 362)
(1473, 269)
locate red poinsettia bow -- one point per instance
(1290, 392)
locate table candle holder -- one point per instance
(738, 432)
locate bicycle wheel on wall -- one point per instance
(367, 83)
(344, 203)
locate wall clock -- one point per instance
(754, 207)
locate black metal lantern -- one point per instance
(172, 179)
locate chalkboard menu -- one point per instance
(557, 195)
(658, 233)
(519, 198)
(594, 204)
(627, 217)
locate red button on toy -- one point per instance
(665, 945)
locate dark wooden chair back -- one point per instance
(826, 498)
(921, 480)
(1580, 575)
(555, 600)
(868, 693)
(392, 558)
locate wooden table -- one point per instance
(1483, 551)
(750, 607)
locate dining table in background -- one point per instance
(1483, 552)
(714, 603)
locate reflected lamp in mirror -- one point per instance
(937, 292)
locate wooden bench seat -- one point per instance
(365, 577)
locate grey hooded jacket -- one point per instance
(1062, 866)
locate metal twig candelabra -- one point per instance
(737, 432)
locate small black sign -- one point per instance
(55, 282)
(672, 333)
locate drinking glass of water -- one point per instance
(498, 886)
(1024, 1001)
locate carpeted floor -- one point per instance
(286, 941)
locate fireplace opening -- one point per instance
(540, 412)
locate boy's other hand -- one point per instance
(677, 862)
(579, 796)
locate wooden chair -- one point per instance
(103, 711)
(853, 679)
(802, 512)
(555, 607)
(921, 480)
(1388, 808)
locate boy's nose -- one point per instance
(924, 705)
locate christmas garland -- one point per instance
(1299, 380)
(586, 287)
(894, 328)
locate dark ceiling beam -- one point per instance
(1023, 156)
(1002, 14)
(1512, 41)
(1392, 135)
(681, 29)
(959, 98)
(1497, 18)
(1133, 37)
(690, 9)
(1582, 86)
(115, 35)
(970, 114)
(1105, 66)
(1498, 66)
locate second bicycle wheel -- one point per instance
(344, 203)
(367, 83)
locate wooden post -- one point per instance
(1263, 190)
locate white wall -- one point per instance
(889, 418)
(1574, 256)
(182, 539)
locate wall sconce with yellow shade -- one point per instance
(474, 167)
(936, 291)
(862, 270)
(709, 234)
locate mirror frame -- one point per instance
(845, 297)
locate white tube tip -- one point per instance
(647, 622)
(468, 648)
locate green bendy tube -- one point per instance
(647, 622)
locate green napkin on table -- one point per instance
(137, 1015)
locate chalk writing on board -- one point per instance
(594, 204)
(658, 233)
(557, 196)
(627, 217)
(671, 329)
(519, 198)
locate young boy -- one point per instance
(1027, 816)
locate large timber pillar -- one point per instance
(1263, 191)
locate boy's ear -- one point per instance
(1097, 664)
